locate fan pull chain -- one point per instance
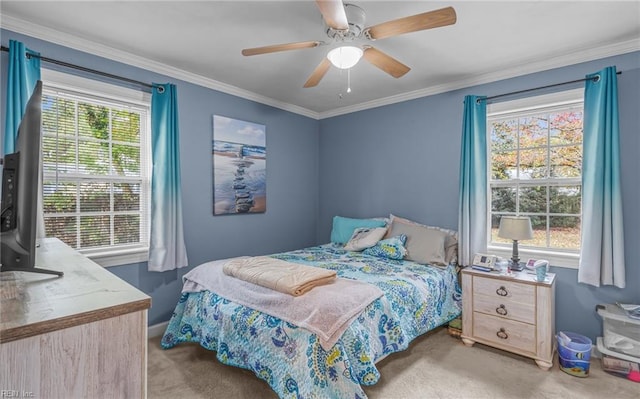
(348, 82)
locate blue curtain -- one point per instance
(602, 246)
(23, 74)
(166, 247)
(472, 205)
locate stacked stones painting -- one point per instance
(239, 166)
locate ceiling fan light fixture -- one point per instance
(345, 57)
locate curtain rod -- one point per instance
(93, 71)
(595, 78)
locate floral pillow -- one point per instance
(391, 248)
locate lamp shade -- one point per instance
(345, 57)
(515, 228)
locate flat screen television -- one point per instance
(19, 204)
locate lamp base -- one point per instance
(516, 267)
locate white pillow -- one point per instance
(365, 237)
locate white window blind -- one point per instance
(95, 154)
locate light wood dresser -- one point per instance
(83, 335)
(514, 313)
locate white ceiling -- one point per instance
(201, 42)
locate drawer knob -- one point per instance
(502, 334)
(501, 310)
(502, 291)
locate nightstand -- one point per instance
(514, 313)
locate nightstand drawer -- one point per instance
(503, 332)
(514, 291)
(504, 308)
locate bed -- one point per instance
(416, 298)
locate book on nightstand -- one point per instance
(483, 268)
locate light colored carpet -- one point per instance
(436, 365)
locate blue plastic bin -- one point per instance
(574, 353)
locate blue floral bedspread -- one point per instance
(417, 298)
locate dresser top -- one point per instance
(33, 303)
(525, 276)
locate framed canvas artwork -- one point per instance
(239, 155)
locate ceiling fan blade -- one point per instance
(333, 13)
(385, 62)
(279, 47)
(431, 19)
(318, 73)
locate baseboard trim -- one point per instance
(157, 330)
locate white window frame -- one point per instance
(568, 258)
(134, 253)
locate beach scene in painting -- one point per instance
(239, 156)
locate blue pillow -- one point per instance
(391, 248)
(343, 228)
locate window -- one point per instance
(535, 170)
(96, 176)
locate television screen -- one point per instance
(20, 187)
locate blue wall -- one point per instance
(292, 177)
(404, 159)
(401, 158)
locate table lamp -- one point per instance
(515, 228)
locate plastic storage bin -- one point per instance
(621, 333)
(574, 353)
(621, 368)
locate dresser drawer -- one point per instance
(516, 292)
(503, 332)
(505, 308)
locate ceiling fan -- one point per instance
(344, 23)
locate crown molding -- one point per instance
(64, 39)
(524, 68)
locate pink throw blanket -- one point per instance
(326, 310)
